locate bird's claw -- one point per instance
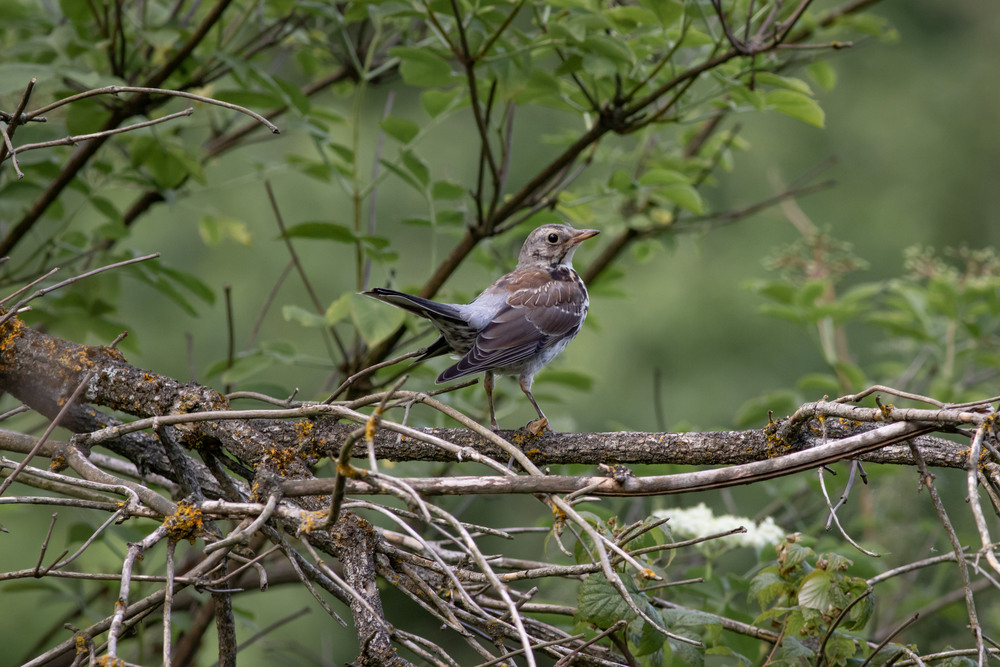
(538, 426)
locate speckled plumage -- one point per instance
(518, 324)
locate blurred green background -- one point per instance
(912, 127)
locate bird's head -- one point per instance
(550, 246)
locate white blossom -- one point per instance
(699, 521)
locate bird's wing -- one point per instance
(541, 308)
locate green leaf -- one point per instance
(436, 102)
(215, 230)
(621, 181)
(329, 231)
(823, 73)
(644, 635)
(663, 177)
(683, 195)
(375, 320)
(404, 175)
(339, 309)
(797, 105)
(767, 586)
(400, 129)
(815, 590)
(780, 291)
(786, 82)
(422, 67)
(107, 209)
(613, 50)
(794, 553)
(854, 374)
(306, 318)
(599, 603)
(667, 11)
(191, 283)
(818, 383)
(448, 190)
(810, 291)
(629, 17)
(246, 367)
(416, 166)
(731, 657)
(574, 379)
(755, 410)
(795, 650)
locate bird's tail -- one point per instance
(418, 305)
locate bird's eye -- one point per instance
(553, 238)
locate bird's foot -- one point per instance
(538, 426)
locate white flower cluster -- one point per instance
(699, 521)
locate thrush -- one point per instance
(519, 323)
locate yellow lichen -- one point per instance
(186, 523)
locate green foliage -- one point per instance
(940, 322)
(627, 70)
(812, 599)
(412, 121)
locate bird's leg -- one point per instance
(542, 422)
(488, 386)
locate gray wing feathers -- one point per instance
(532, 319)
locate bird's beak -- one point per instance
(584, 234)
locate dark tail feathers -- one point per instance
(417, 305)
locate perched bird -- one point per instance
(519, 323)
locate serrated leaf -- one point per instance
(795, 650)
(645, 637)
(329, 231)
(814, 592)
(792, 555)
(686, 653)
(797, 105)
(731, 656)
(400, 129)
(375, 320)
(599, 603)
(767, 586)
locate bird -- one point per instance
(518, 324)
